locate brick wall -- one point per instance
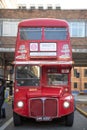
(59, 14)
(7, 42)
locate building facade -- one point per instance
(79, 79)
(77, 19)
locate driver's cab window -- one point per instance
(28, 75)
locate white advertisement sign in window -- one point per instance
(47, 46)
(42, 53)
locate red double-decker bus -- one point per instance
(43, 63)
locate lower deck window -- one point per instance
(28, 75)
(57, 79)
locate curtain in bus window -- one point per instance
(30, 33)
(55, 33)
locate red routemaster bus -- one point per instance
(43, 63)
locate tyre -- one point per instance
(69, 119)
(16, 119)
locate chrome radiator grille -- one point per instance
(43, 107)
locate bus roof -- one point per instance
(43, 22)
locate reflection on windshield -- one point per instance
(28, 75)
(57, 79)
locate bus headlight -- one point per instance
(20, 104)
(66, 104)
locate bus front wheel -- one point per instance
(16, 119)
(69, 119)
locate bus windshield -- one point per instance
(53, 33)
(27, 75)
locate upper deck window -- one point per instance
(55, 33)
(30, 33)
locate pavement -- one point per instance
(8, 114)
(81, 104)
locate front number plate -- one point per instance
(43, 119)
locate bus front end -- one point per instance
(42, 88)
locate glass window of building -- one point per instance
(85, 72)
(1, 62)
(85, 85)
(10, 28)
(0, 28)
(86, 29)
(77, 29)
(75, 85)
(75, 72)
